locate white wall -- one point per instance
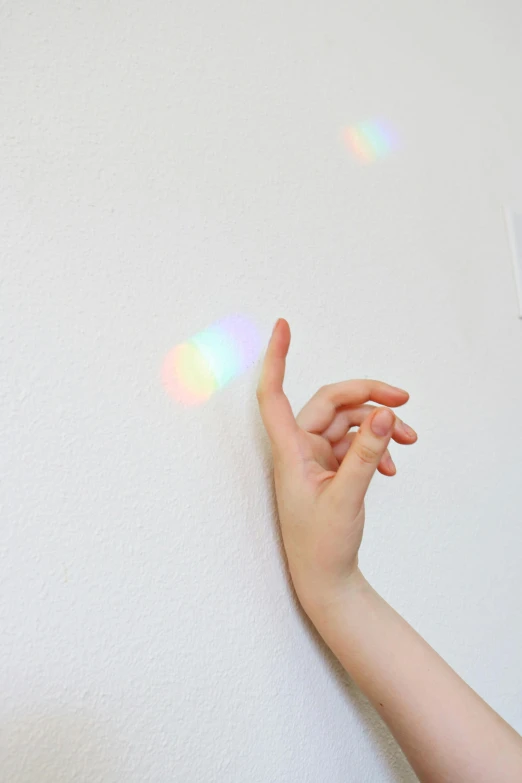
(162, 165)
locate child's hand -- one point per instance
(322, 470)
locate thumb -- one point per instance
(361, 460)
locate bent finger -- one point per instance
(386, 466)
(357, 469)
(319, 411)
(345, 418)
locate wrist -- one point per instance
(328, 601)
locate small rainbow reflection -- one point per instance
(370, 140)
(194, 370)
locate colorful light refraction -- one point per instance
(194, 370)
(369, 140)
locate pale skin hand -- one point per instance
(322, 472)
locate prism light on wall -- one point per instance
(370, 140)
(514, 224)
(194, 370)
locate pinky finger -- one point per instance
(387, 465)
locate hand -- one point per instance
(322, 471)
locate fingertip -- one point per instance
(411, 434)
(382, 423)
(387, 471)
(402, 392)
(283, 324)
(281, 335)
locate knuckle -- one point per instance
(367, 454)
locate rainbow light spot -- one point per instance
(193, 371)
(369, 140)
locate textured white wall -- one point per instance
(162, 165)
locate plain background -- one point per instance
(164, 164)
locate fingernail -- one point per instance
(382, 422)
(408, 430)
(276, 325)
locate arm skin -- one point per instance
(447, 732)
(322, 471)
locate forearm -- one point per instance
(322, 472)
(447, 732)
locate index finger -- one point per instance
(274, 405)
